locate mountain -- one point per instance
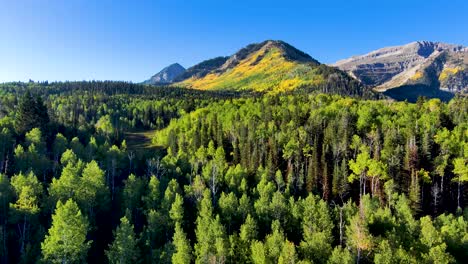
(166, 75)
(271, 66)
(417, 68)
(202, 69)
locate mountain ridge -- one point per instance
(435, 65)
(270, 66)
(419, 68)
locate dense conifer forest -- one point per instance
(115, 172)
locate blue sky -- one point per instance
(132, 40)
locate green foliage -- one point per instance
(317, 230)
(211, 241)
(32, 113)
(124, 249)
(104, 126)
(340, 256)
(66, 239)
(232, 177)
(182, 254)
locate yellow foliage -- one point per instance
(418, 75)
(264, 71)
(447, 72)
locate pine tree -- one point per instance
(31, 113)
(66, 238)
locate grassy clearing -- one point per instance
(140, 140)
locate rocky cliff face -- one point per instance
(166, 75)
(422, 63)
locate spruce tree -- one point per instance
(31, 113)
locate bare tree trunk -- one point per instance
(358, 255)
(360, 187)
(435, 194)
(213, 184)
(341, 226)
(4, 234)
(23, 231)
(6, 163)
(1, 163)
(131, 156)
(364, 185)
(113, 178)
(458, 195)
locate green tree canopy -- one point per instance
(66, 239)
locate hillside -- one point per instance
(270, 66)
(422, 65)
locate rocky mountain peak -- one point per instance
(166, 75)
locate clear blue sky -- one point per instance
(131, 40)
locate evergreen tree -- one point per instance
(31, 113)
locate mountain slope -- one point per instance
(270, 66)
(202, 69)
(166, 75)
(422, 65)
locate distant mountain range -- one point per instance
(423, 66)
(404, 72)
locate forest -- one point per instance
(116, 172)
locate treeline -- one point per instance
(111, 88)
(273, 179)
